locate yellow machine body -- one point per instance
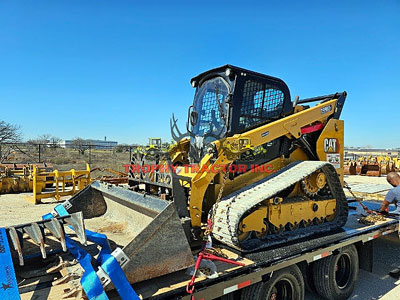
(203, 158)
(329, 148)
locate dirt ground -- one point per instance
(366, 179)
(367, 188)
(16, 209)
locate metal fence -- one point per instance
(64, 158)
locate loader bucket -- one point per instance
(346, 169)
(353, 168)
(147, 228)
(350, 169)
(358, 168)
(371, 169)
(387, 167)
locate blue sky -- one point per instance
(120, 68)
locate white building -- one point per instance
(95, 144)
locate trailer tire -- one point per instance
(336, 275)
(307, 271)
(287, 284)
(231, 296)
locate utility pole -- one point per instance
(90, 155)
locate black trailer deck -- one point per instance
(259, 265)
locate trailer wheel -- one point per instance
(307, 271)
(231, 296)
(336, 275)
(285, 284)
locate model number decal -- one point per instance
(330, 145)
(265, 134)
(326, 109)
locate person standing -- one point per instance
(393, 196)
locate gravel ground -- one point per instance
(366, 179)
(16, 209)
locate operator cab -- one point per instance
(155, 142)
(231, 100)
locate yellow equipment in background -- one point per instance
(66, 183)
(16, 178)
(154, 143)
(371, 165)
(121, 177)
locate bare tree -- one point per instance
(81, 145)
(121, 148)
(41, 142)
(41, 139)
(10, 135)
(54, 142)
(46, 140)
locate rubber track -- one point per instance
(231, 209)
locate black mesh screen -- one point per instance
(260, 104)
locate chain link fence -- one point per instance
(65, 158)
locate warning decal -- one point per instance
(334, 159)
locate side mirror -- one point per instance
(194, 115)
(190, 119)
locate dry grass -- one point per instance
(65, 159)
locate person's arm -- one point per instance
(384, 206)
(385, 203)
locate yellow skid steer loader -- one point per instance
(255, 168)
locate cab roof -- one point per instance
(237, 71)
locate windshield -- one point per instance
(209, 104)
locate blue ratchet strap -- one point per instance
(107, 262)
(89, 281)
(8, 280)
(111, 266)
(47, 216)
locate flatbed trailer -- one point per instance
(260, 270)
